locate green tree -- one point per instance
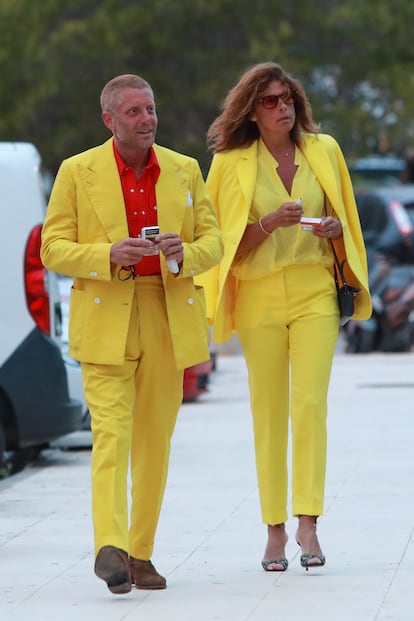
(55, 57)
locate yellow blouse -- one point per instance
(286, 245)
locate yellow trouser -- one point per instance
(287, 325)
(133, 409)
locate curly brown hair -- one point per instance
(233, 128)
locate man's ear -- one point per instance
(107, 120)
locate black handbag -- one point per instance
(346, 293)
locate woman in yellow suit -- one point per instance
(275, 286)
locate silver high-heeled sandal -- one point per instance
(306, 558)
(282, 562)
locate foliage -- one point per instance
(55, 58)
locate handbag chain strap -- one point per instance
(338, 266)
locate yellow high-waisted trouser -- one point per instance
(287, 325)
(133, 410)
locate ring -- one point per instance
(329, 233)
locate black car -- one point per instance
(387, 220)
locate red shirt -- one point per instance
(140, 204)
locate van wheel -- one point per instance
(5, 467)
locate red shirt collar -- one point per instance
(152, 162)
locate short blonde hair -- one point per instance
(110, 93)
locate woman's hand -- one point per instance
(330, 228)
(288, 214)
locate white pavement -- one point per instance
(210, 538)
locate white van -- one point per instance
(35, 402)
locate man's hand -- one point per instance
(131, 250)
(171, 246)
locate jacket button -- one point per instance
(93, 274)
(97, 300)
(190, 301)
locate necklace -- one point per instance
(286, 152)
(281, 156)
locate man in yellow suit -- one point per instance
(136, 317)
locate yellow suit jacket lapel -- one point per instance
(100, 176)
(172, 191)
(247, 172)
(317, 156)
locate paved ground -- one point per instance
(210, 538)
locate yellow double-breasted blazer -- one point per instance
(86, 215)
(231, 183)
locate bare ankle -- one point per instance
(307, 520)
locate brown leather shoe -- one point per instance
(145, 576)
(112, 565)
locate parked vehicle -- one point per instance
(197, 378)
(35, 403)
(387, 220)
(391, 326)
(377, 170)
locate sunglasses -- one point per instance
(272, 101)
(126, 272)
